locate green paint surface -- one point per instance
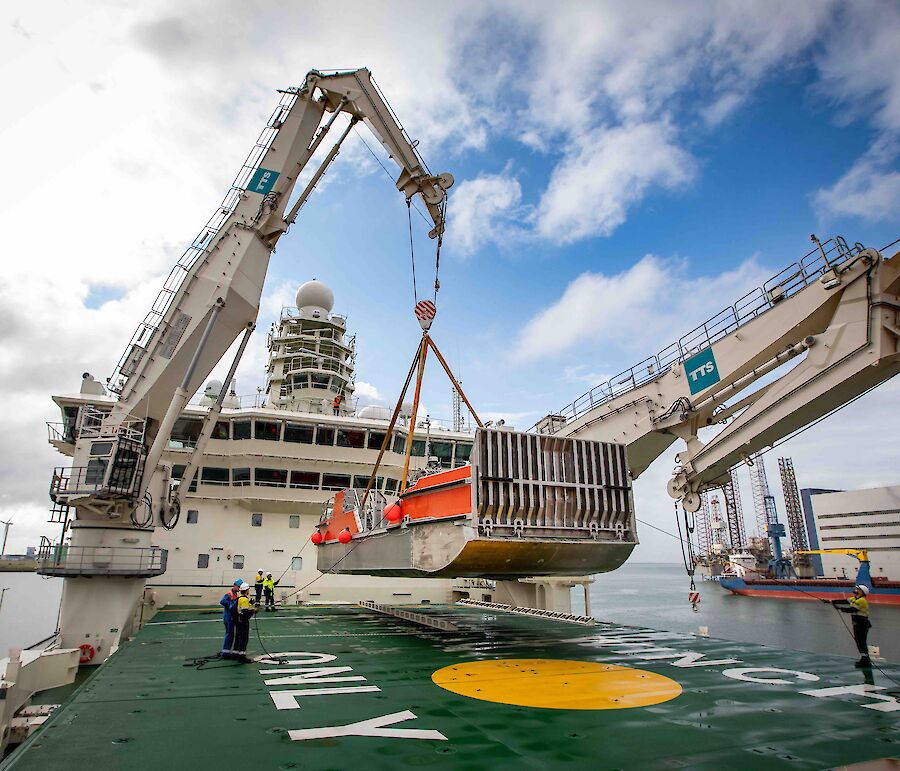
(145, 709)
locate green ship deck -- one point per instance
(708, 703)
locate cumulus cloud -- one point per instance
(609, 93)
(634, 311)
(871, 187)
(482, 211)
(367, 393)
(853, 74)
(610, 170)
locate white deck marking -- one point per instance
(375, 727)
(743, 673)
(863, 689)
(288, 699)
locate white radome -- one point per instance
(315, 295)
(213, 387)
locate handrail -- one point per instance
(63, 559)
(784, 284)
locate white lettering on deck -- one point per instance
(302, 671)
(376, 726)
(288, 699)
(744, 673)
(890, 704)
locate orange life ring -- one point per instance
(87, 653)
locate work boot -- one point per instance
(864, 663)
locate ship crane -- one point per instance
(117, 485)
(834, 316)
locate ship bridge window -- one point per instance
(376, 438)
(237, 562)
(463, 453)
(320, 381)
(300, 381)
(297, 432)
(271, 477)
(240, 429)
(391, 487)
(294, 521)
(202, 561)
(360, 482)
(185, 432)
(101, 448)
(221, 430)
(335, 481)
(418, 447)
(240, 477)
(96, 469)
(399, 444)
(325, 436)
(70, 421)
(269, 430)
(305, 479)
(443, 451)
(349, 438)
(178, 474)
(214, 476)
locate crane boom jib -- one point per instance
(212, 295)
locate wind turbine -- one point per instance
(5, 534)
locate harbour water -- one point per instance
(29, 610)
(640, 594)
(656, 595)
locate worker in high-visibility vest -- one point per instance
(858, 608)
(336, 404)
(258, 585)
(245, 611)
(229, 605)
(269, 590)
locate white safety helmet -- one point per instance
(245, 587)
(863, 588)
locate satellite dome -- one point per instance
(315, 295)
(212, 388)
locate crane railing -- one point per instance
(149, 327)
(788, 282)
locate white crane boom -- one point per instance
(836, 311)
(213, 294)
(210, 298)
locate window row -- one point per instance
(237, 562)
(272, 477)
(187, 431)
(256, 519)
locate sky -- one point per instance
(623, 172)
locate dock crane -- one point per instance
(117, 485)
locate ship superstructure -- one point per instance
(270, 466)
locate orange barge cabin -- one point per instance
(528, 505)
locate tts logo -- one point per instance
(703, 369)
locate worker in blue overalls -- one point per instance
(229, 613)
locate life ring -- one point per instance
(87, 653)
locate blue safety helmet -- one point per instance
(238, 581)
